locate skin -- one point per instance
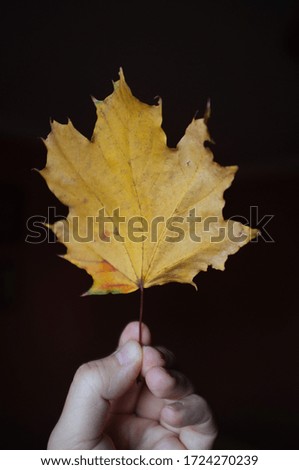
(133, 399)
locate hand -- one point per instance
(107, 408)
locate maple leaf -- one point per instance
(140, 213)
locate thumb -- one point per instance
(87, 405)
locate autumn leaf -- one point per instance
(140, 213)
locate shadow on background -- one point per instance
(237, 336)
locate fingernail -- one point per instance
(129, 353)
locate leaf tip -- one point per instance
(121, 74)
(194, 285)
(254, 233)
(95, 100)
(234, 168)
(207, 113)
(158, 100)
(85, 294)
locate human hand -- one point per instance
(107, 408)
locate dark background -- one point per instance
(237, 337)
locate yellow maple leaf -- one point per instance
(140, 213)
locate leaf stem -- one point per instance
(139, 378)
(140, 314)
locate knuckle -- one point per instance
(82, 375)
(89, 373)
(84, 371)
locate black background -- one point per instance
(237, 337)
